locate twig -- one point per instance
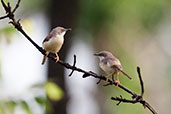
(4, 5)
(99, 81)
(3, 17)
(73, 66)
(141, 81)
(17, 5)
(136, 98)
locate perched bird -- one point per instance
(54, 41)
(111, 65)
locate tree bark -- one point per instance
(61, 13)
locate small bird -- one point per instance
(54, 41)
(111, 65)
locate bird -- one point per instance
(54, 41)
(110, 65)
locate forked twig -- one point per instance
(73, 66)
(137, 99)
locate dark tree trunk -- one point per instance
(61, 13)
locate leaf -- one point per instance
(1, 110)
(49, 107)
(7, 30)
(27, 24)
(10, 105)
(26, 107)
(41, 100)
(38, 85)
(53, 91)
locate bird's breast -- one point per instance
(106, 67)
(54, 44)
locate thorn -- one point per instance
(18, 21)
(99, 81)
(118, 103)
(85, 75)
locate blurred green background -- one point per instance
(137, 32)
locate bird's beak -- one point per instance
(68, 29)
(96, 54)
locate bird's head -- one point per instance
(60, 31)
(103, 54)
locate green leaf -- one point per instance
(38, 85)
(7, 30)
(41, 100)
(53, 91)
(10, 105)
(49, 107)
(26, 107)
(1, 110)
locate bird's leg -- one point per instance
(113, 75)
(44, 57)
(107, 78)
(57, 57)
(117, 79)
(47, 53)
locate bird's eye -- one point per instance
(62, 30)
(101, 54)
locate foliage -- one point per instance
(99, 13)
(53, 91)
(29, 6)
(7, 32)
(25, 106)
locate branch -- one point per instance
(135, 96)
(136, 99)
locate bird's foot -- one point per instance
(57, 57)
(117, 83)
(107, 79)
(47, 53)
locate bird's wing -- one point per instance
(119, 67)
(52, 33)
(115, 62)
(126, 74)
(47, 38)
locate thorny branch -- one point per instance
(135, 97)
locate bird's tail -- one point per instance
(44, 59)
(126, 74)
